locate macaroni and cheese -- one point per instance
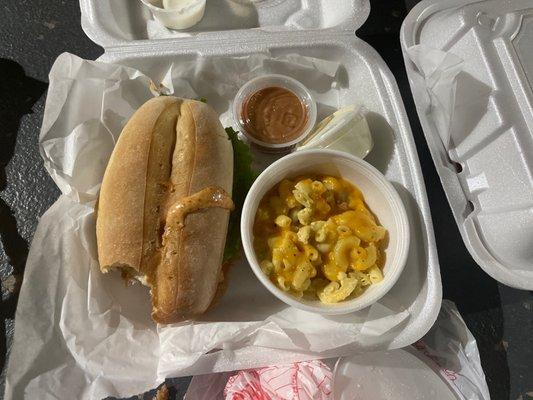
(315, 237)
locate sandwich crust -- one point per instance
(170, 150)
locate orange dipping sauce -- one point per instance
(274, 115)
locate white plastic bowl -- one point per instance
(380, 196)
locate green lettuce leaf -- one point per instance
(243, 178)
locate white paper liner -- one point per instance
(80, 334)
(439, 70)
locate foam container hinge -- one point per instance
(486, 169)
(328, 34)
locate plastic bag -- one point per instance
(448, 349)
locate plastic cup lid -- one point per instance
(345, 130)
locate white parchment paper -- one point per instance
(439, 70)
(80, 334)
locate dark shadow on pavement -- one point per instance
(18, 93)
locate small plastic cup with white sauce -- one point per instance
(290, 106)
(177, 14)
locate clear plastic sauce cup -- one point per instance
(275, 81)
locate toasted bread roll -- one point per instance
(164, 205)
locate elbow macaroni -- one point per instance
(316, 238)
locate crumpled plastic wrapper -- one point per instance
(80, 334)
(307, 380)
(451, 349)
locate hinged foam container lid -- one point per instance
(474, 96)
(113, 23)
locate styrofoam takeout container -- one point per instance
(315, 28)
(322, 29)
(381, 197)
(486, 160)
